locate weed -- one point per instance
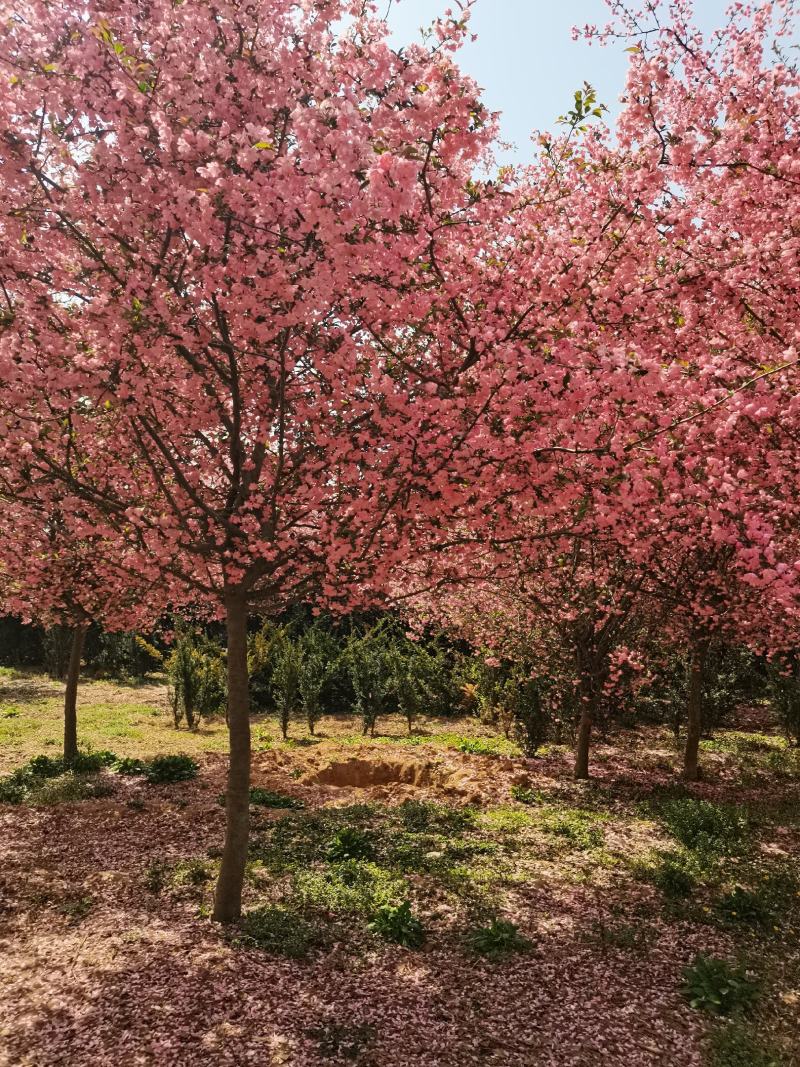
(266, 799)
(279, 931)
(193, 873)
(171, 769)
(354, 886)
(498, 940)
(131, 767)
(420, 815)
(702, 826)
(350, 843)
(739, 743)
(580, 828)
(523, 795)
(67, 789)
(487, 746)
(626, 936)
(672, 875)
(396, 923)
(156, 876)
(505, 820)
(745, 907)
(76, 908)
(714, 985)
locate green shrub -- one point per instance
(67, 789)
(193, 872)
(265, 798)
(419, 816)
(499, 939)
(92, 762)
(396, 923)
(130, 766)
(318, 664)
(784, 685)
(350, 843)
(157, 876)
(371, 667)
(745, 907)
(714, 985)
(523, 698)
(285, 682)
(14, 788)
(197, 676)
(279, 931)
(523, 795)
(705, 827)
(124, 656)
(171, 769)
(672, 875)
(45, 766)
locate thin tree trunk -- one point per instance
(228, 897)
(691, 765)
(71, 695)
(584, 738)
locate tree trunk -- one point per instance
(584, 737)
(691, 767)
(228, 897)
(71, 695)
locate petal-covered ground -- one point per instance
(108, 957)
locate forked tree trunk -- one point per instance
(71, 695)
(228, 897)
(691, 757)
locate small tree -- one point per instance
(531, 722)
(197, 681)
(370, 665)
(784, 686)
(318, 661)
(286, 681)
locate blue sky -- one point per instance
(526, 60)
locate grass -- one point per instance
(135, 720)
(131, 720)
(736, 1044)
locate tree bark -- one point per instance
(71, 695)
(691, 757)
(584, 737)
(228, 897)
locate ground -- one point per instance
(547, 922)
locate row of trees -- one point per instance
(275, 330)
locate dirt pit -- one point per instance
(363, 774)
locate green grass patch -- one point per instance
(355, 886)
(702, 826)
(739, 743)
(581, 829)
(279, 931)
(505, 819)
(498, 940)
